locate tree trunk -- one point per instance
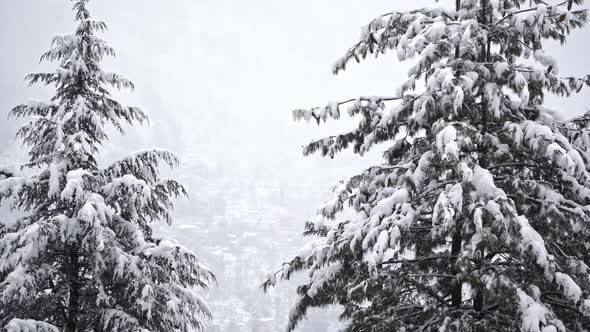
(479, 300)
(456, 292)
(74, 292)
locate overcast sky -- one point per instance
(220, 77)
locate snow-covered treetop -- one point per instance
(443, 42)
(479, 215)
(83, 256)
(82, 98)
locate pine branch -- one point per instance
(528, 10)
(417, 260)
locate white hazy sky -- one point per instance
(219, 78)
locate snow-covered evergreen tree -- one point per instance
(479, 217)
(83, 258)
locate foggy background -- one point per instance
(219, 80)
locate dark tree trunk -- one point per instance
(74, 291)
(479, 300)
(456, 296)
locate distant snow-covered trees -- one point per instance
(83, 258)
(479, 218)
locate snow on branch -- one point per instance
(13, 186)
(90, 24)
(115, 80)
(119, 320)
(361, 104)
(33, 108)
(143, 165)
(30, 325)
(377, 124)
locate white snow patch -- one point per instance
(446, 141)
(570, 289)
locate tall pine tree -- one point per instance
(84, 258)
(479, 217)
